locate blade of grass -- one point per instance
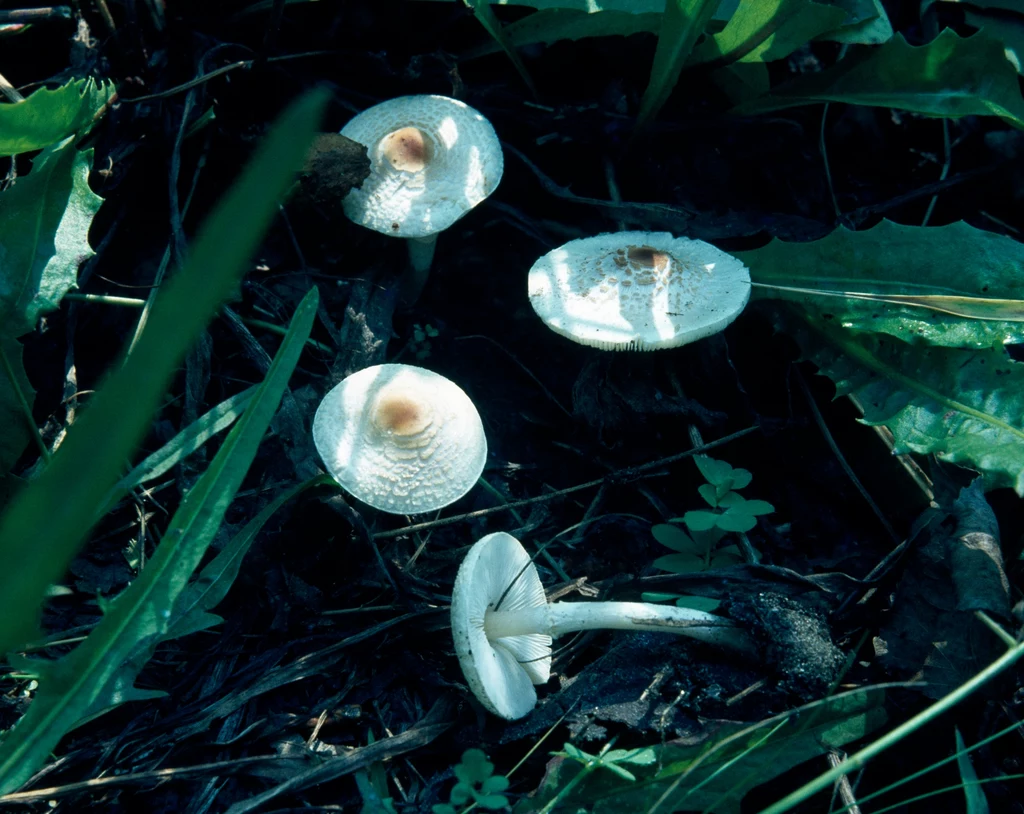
(60, 507)
(138, 619)
(489, 20)
(681, 27)
(891, 738)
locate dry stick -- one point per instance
(35, 15)
(8, 90)
(448, 521)
(820, 421)
(843, 787)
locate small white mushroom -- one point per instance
(638, 290)
(502, 624)
(400, 438)
(432, 159)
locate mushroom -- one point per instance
(400, 438)
(432, 160)
(638, 290)
(502, 624)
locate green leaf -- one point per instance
(494, 784)
(683, 24)
(948, 285)
(675, 538)
(716, 776)
(709, 493)
(736, 519)
(641, 756)
(60, 505)
(492, 25)
(631, 6)
(714, 471)
(700, 520)
(966, 407)
(974, 794)
(1004, 22)
(680, 563)
(653, 596)
(866, 23)
(138, 619)
(767, 30)
(44, 231)
(731, 499)
(702, 603)
(950, 76)
(553, 25)
(461, 794)
(725, 560)
(492, 801)
(758, 507)
(443, 808)
(15, 407)
(48, 116)
(739, 479)
(474, 768)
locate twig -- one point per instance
(947, 160)
(621, 473)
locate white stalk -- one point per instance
(421, 256)
(556, 618)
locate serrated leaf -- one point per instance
(15, 432)
(964, 406)
(675, 538)
(682, 25)
(1005, 22)
(48, 116)
(138, 618)
(44, 231)
(736, 520)
(556, 24)
(680, 563)
(866, 24)
(948, 285)
(768, 30)
(700, 520)
(950, 77)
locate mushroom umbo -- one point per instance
(502, 624)
(638, 290)
(432, 160)
(401, 438)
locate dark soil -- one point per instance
(339, 638)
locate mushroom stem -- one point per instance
(421, 255)
(557, 618)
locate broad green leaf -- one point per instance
(766, 30)
(716, 778)
(739, 479)
(553, 25)
(683, 24)
(48, 116)
(710, 494)
(15, 399)
(731, 499)
(758, 507)
(675, 538)
(44, 231)
(680, 563)
(950, 76)
(866, 24)
(701, 603)
(138, 619)
(966, 407)
(947, 285)
(655, 596)
(60, 505)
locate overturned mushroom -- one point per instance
(432, 160)
(400, 438)
(638, 290)
(502, 624)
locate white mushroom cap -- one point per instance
(432, 159)
(638, 290)
(401, 438)
(501, 673)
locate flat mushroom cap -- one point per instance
(400, 438)
(501, 673)
(432, 159)
(638, 290)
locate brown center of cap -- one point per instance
(648, 257)
(401, 413)
(407, 149)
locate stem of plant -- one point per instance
(557, 618)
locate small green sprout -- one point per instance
(701, 549)
(607, 758)
(477, 783)
(420, 342)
